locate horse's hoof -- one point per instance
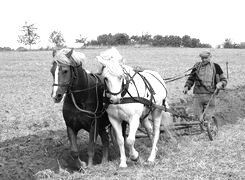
(83, 164)
(135, 156)
(151, 160)
(82, 167)
(123, 165)
(135, 159)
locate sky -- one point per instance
(211, 21)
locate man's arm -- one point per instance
(221, 77)
(190, 80)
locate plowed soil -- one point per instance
(33, 140)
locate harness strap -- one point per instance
(82, 110)
(147, 103)
(137, 100)
(93, 114)
(131, 79)
(125, 87)
(148, 86)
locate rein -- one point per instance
(95, 112)
(69, 85)
(91, 114)
(177, 77)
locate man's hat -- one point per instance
(205, 54)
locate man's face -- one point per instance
(206, 58)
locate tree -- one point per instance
(186, 41)
(93, 43)
(145, 39)
(242, 45)
(174, 41)
(228, 43)
(195, 43)
(105, 39)
(30, 36)
(57, 38)
(205, 45)
(135, 39)
(81, 40)
(120, 39)
(158, 41)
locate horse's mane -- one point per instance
(78, 58)
(138, 68)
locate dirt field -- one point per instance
(33, 141)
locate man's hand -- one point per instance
(185, 90)
(219, 85)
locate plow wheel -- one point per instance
(212, 128)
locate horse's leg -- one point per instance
(105, 141)
(148, 127)
(74, 148)
(156, 117)
(91, 145)
(120, 140)
(167, 119)
(124, 128)
(133, 126)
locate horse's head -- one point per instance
(113, 73)
(63, 71)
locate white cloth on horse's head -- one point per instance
(77, 59)
(115, 68)
(112, 54)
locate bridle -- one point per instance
(68, 85)
(124, 87)
(74, 73)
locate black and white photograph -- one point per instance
(122, 89)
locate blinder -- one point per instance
(123, 90)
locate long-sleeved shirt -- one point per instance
(199, 87)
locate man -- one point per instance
(206, 77)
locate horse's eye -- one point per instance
(65, 71)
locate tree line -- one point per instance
(30, 37)
(147, 39)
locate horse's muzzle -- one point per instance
(115, 99)
(57, 98)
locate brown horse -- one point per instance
(83, 107)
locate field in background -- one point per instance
(27, 108)
(175, 61)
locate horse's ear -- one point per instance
(68, 55)
(54, 52)
(121, 61)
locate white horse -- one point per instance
(123, 82)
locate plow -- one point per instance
(183, 123)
